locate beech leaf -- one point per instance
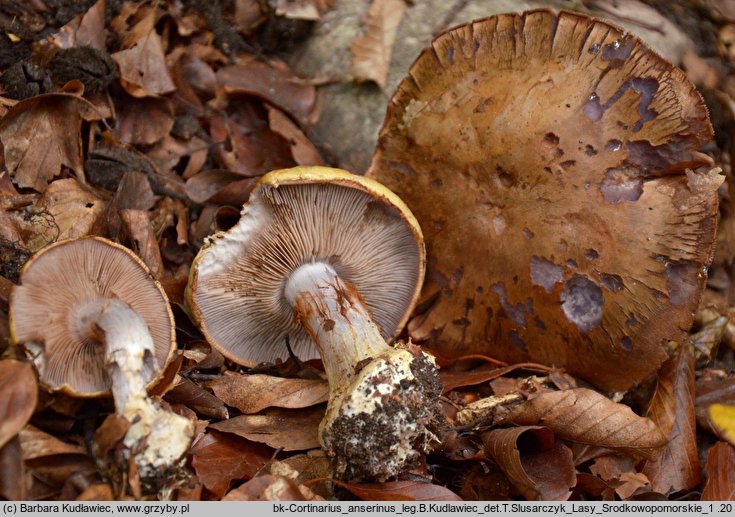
(143, 71)
(18, 401)
(672, 407)
(400, 491)
(287, 429)
(252, 393)
(220, 458)
(541, 468)
(583, 415)
(722, 417)
(720, 471)
(371, 53)
(42, 134)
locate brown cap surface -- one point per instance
(296, 216)
(58, 281)
(545, 157)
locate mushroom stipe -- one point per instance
(98, 320)
(334, 261)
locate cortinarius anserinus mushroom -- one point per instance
(335, 262)
(549, 159)
(99, 322)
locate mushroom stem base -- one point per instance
(385, 418)
(157, 438)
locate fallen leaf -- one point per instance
(143, 71)
(19, 394)
(197, 398)
(220, 458)
(37, 444)
(483, 483)
(540, 467)
(583, 415)
(108, 437)
(714, 391)
(371, 53)
(253, 149)
(273, 82)
(66, 210)
(220, 187)
(452, 380)
(720, 472)
(302, 150)
(287, 429)
(12, 471)
(133, 192)
(266, 488)
(722, 417)
(672, 408)
(400, 491)
(143, 121)
(42, 134)
(252, 393)
(633, 483)
(138, 226)
(97, 492)
(85, 30)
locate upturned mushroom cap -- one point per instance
(55, 287)
(546, 157)
(296, 216)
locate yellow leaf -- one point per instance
(722, 417)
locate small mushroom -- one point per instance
(333, 262)
(98, 321)
(549, 160)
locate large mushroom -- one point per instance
(551, 162)
(333, 262)
(98, 322)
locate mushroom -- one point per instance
(334, 262)
(549, 159)
(98, 321)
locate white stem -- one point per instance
(335, 316)
(131, 365)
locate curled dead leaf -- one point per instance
(720, 471)
(252, 393)
(19, 394)
(585, 416)
(672, 410)
(371, 53)
(539, 466)
(400, 491)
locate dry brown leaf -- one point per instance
(302, 150)
(714, 391)
(143, 71)
(220, 458)
(273, 82)
(37, 444)
(539, 466)
(287, 429)
(66, 210)
(18, 401)
(585, 416)
(720, 471)
(97, 492)
(143, 121)
(633, 483)
(138, 226)
(371, 53)
(220, 187)
(42, 134)
(252, 393)
(86, 30)
(12, 471)
(269, 488)
(197, 398)
(672, 408)
(400, 491)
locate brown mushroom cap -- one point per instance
(57, 283)
(546, 158)
(296, 216)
